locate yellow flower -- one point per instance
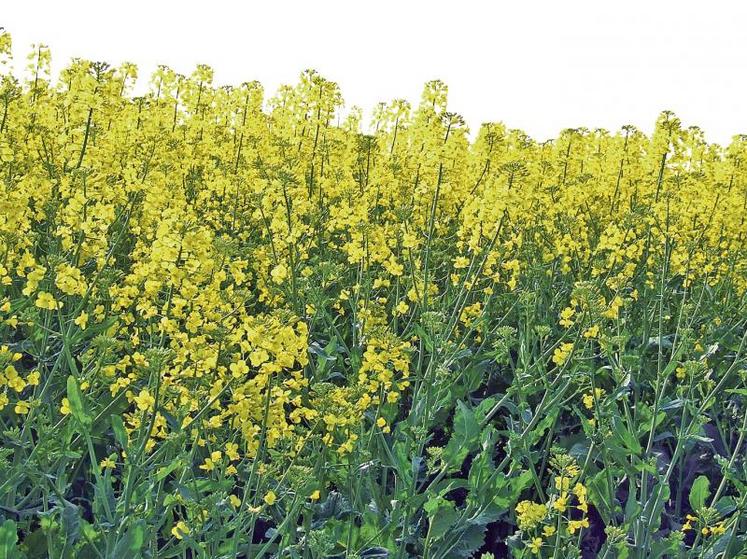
(270, 498)
(46, 301)
(562, 483)
(232, 451)
(560, 503)
(13, 379)
(535, 545)
(179, 530)
(33, 378)
(402, 307)
(548, 530)
(613, 310)
(315, 495)
(461, 262)
(530, 514)
(144, 400)
(234, 500)
(590, 397)
(69, 280)
(381, 422)
(574, 525)
(212, 461)
(22, 407)
(591, 332)
(562, 352)
(107, 463)
(239, 369)
(279, 273)
(82, 320)
(65, 407)
(588, 401)
(565, 317)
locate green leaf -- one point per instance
(120, 435)
(632, 507)
(164, 471)
(542, 426)
(699, 492)
(625, 436)
(505, 491)
(400, 461)
(132, 542)
(445, 485)
(334, 506)
(482, 409)
(36, 544)
(442, 515)
(655, 505)
(71, 523)
(482, 466)
(75, 397)
(726, 505)
(601, 496)
(471, 539)
(103, 497)
(8, 538)
(464, 438)
(423, 335)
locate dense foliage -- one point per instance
(233, 326)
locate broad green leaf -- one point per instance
(470, 540)
(464, 438)
(699, 492)
(441, 515)
(132, 543)
(506, 491)
(726, 505)
(482, 466)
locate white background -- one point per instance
(536, 65)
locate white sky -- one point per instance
(536, 65)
